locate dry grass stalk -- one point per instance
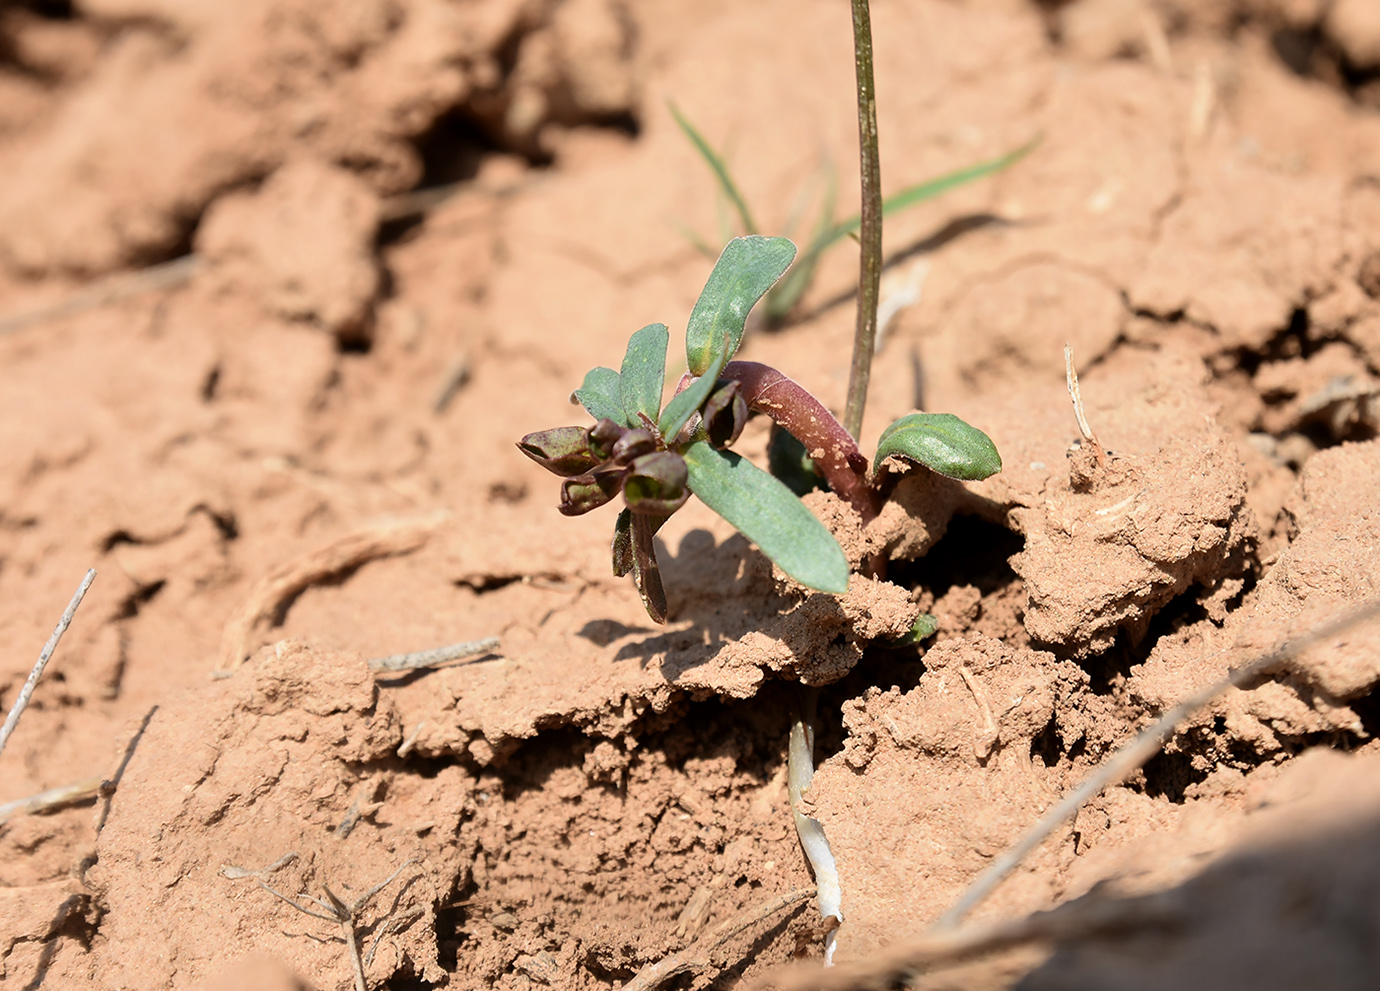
(434, 657)
(22, 702)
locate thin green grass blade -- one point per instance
(927, 190)
(786, 293)
(718, 166)
(602, 396)
(644, 373)
(768, 514)
(693, 239)
(942, 442)
(748, 267)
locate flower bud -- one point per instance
(585, 492)
(633, 444)
(561, 450)
(656, 484)
(602, 437)
(725, 414)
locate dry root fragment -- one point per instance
(287, 581)
(700, 956)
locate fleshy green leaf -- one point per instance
(683, 405)
(748, 267)
(644, 373)
(769, 515)
(602, 395)
(942, 442)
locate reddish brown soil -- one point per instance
(295, 452)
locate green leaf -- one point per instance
(784, 296)
(644, 373)
(942, 442)
(683, 405)
(924, 627)
(748, 267)
(926, 190)
(717, 166)
(788, 460)
(786, 293)
(602, 395)
(769, 515)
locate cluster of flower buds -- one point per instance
(600, 461)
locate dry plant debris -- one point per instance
(330, 909)
(271, 593)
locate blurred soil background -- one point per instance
(281, 283)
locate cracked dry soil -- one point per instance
(407, 227)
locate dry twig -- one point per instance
(281, 585)
(1137, 752)
(333, 908)
(1071, 378)
(12, 720)
(1080, 919)
(80, 791)
(163, 276)
(432, 658)
(53, 798)
(700, 955)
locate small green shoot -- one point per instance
(787, 293)
(657, 457)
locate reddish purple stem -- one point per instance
(798, 412)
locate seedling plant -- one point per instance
(657, 457)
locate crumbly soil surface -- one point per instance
(281, 283)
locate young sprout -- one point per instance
(828, 231)
(655, 458)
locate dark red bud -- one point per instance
(562, 450)
(585, 492)
(602, 436)
(656, 484)
(725, 414)
(633, 444)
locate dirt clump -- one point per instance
(304, 244)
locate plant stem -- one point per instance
(870, 266)
(832, 448)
